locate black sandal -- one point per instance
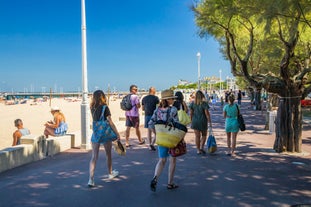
(153, 184)
(172, 186)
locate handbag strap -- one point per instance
(238, 109)
(210, 131)
(102, 118)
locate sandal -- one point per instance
(172, 186)
(142, 142)
(153, 184)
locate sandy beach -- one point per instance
(34, 115)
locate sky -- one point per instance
(146, 43)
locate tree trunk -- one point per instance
(258, 99)
(288, 125)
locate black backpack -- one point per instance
(126, 103)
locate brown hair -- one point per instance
(163, 103)
(199, 97)
(98, 99)
(231, 98)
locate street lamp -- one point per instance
(199, 56)
(85, 110)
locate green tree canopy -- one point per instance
(268, 44)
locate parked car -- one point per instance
(306, 102)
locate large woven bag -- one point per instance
(102, 131)
(169, 134)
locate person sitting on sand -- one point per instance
(58, 127)
(21, 131)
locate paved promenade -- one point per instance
(257, 176)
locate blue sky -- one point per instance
(147, 43)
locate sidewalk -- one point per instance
(257, 176)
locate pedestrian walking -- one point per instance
(230, 113)
(98, 101)
(164, 112)
(132, 117)
(149, 104)
(214, 98)
(240, 97)
(180, 103)
(200, 118)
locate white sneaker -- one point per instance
(113, 174)
(91, 183)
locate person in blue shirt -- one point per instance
(21, 131)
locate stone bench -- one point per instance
(39, 143)
(37, 147)
(59, 144)
(75, 139)
(15, 156)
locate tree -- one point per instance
(268, 44)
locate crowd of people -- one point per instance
(155, 109)
(164, 109)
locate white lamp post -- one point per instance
(85, 110)
(199, 56)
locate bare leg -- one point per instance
(149, 135)
(95, 150)
(171, 170)
(138, 134)
(197, 140)
(49, 131)
(159, 167)
(127, 136)
(153, 139)
(157, 172)
(234, 135)
(203, 140)
(229, 142)
(108, 146)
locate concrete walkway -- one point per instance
(257, 176)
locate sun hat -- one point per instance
(55, 108)
(167, 94)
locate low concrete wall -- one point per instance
(15, 156)
(39, 144)
(56, 145)
(75, 139)
(36, 147)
